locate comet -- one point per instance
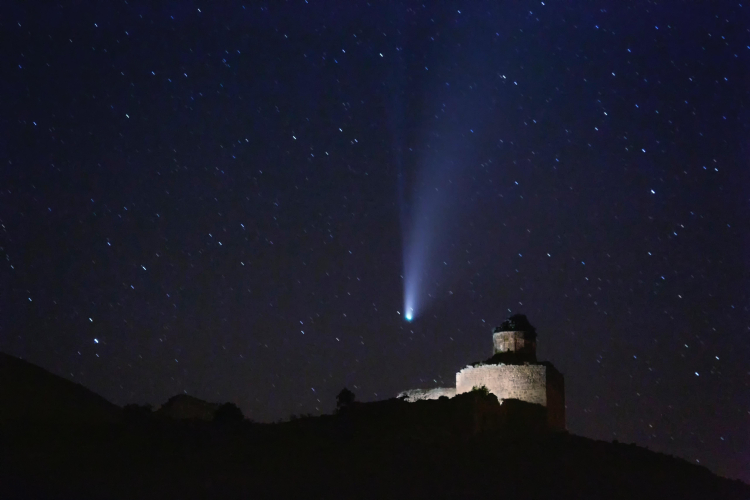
(423, 231)
(435, 185)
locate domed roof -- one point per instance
(517, 323)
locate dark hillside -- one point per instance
(337, 456)
(465, 447)
(29, 392)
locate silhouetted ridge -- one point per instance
(29, 392)
(466, 447)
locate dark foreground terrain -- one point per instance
(466, 447)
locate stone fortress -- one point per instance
(513, 372)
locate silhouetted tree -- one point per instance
(344, 398)
(228, 413)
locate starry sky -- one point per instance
(230, 200)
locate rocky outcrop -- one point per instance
(185, 407)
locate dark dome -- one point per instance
(517, 323)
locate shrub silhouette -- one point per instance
(481, 389)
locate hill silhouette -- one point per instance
(466, 447)
(29, 392)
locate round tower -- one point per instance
(517, 337)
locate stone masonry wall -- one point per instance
(524, 382)
(512, 342)
(413, 395)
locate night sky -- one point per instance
(233, 201)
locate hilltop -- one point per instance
(465, 447)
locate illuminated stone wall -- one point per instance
(525, 382)
(413, 395)
(534, 383)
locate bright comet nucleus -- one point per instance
(408, 316)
